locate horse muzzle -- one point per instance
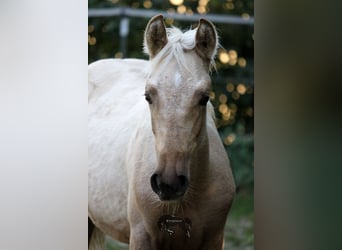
(170, 189)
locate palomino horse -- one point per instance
(159, 177)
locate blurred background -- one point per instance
(115, 30)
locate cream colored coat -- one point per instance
(124, 152)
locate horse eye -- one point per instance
(148, 98)
(204, 99)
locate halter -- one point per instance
(168, 223)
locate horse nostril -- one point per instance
(183, 184)
(155, 183)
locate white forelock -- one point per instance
(178, 42)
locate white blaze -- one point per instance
(178, 78)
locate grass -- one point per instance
(239, 229)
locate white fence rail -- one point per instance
(125, 13)
(129, 12)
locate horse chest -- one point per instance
(178, 237)
(185, 230)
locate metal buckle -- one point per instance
(169, 223)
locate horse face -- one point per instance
(177, 92)
(178, 116)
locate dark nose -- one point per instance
(171, 190)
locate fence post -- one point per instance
(124, 30)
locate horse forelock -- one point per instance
(178, 42)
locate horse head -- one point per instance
(177, 92)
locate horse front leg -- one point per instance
(213, 242)
(139, 239)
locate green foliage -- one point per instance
(239, 229)
(232, 83)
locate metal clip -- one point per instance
(167, 223)
(187, 234)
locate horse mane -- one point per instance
(177, 43)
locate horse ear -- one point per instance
(206, 40)
(155, 36)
